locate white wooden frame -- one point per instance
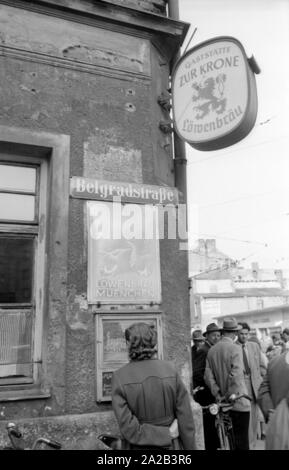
(39, 259)
(94, 295)
(105, 366)
(52, 152)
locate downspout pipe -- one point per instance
(174, 11)
(180, 159)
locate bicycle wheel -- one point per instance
(231, 439)
(229, 432)
(223, 438)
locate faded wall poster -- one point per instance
(114, 345)
(111, 349)
(106, 384)
(123, 254)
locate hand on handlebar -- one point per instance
(234, 397)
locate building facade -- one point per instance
(225, 288)
(83, 107)
(264, 322)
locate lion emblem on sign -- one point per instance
(209, 96)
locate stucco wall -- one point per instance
(100, 88)
(154, 6)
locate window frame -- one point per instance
(108, 367)
(12, 162)
(55, 149)
(38, 277)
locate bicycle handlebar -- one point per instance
(49, 442)
(17, 442)
(54, 444)
(197, 389)
(223, 404)
(237, 397)
(14, 432)
(110, 440)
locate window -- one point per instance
(18, 193)
(21, 265)
(213, 288)
(34, 214)
(260, 302)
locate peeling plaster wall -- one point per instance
(36, 34)
(154, 6)
(101, 88)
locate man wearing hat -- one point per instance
(285, 337)
(224, 375)
(204, 397)
(198, 341)
(273, 399)
(211, 336)
(253, 371)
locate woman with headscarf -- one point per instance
(148, 396)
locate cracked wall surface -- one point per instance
(154, 6)
(101, 88)
(55, 37)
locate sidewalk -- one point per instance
(260, 445)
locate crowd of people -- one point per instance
(153, 407)
(229, 361)
(151, 403)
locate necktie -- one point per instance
(245, 359)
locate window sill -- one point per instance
(15, 381)
(33, 393)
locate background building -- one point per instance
(264, 322)
(225, 288)
(83, 95)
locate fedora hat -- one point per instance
(197, 336)
(211, 328)
(230, 324)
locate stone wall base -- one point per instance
(80, 431)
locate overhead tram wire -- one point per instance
(217, 237)
(226, 266)
(228, 201)
(261, 222)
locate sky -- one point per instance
(240, 194)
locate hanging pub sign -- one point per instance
(214, 94)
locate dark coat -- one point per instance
(197, 361)
(146, 397)
(275, 385)
(204, 397)
(224, 372)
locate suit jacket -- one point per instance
(275, 385)
(257, 368)
(224, 372)
(146, 397)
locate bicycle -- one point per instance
(224, 422)
(111, 441)
(17, 441)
